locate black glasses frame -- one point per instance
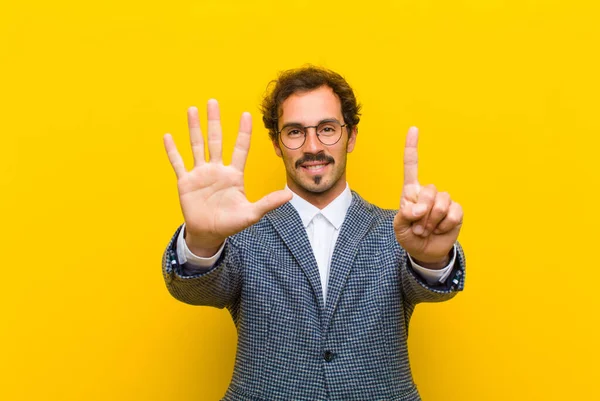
(305, 131)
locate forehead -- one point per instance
(311, 107)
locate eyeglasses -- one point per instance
(328, 132)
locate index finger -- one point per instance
(242, 144)
(174, 156)
(411, 157)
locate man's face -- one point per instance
(315, 168)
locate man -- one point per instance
(320, 284)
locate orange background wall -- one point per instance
(505, 94)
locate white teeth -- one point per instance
(316, 167)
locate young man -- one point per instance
(320, 283)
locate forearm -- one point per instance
(417, 289)
(216, 285)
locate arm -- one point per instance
(416, 289)
(216, 286)
(427, 227)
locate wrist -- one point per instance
(433, 264)
(202, 246)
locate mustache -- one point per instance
(310, 157)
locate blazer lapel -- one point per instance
(355, 227)
(288, 224)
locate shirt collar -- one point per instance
(335, 212)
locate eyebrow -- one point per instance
(296, 124)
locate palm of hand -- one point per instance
(213, 200)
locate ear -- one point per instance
(276, 147)
(352, 139)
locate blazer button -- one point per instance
(328, 356)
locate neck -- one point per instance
(319, 199)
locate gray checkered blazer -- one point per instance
(291, 346)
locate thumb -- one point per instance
(270, 202)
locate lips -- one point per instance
(315, 168)
(314, 165)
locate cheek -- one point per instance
(340, 154)
(289, 159)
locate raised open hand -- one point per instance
(211, 195)
(428, 222)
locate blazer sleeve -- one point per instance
(417, 290)
(218, 287)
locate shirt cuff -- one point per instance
(184, 255)
(431, 276)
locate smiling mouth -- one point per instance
(314, 167)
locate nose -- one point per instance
(312, 143)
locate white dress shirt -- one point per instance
(322, 227)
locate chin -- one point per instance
(309, 185)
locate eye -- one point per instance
(328, 129)
(293, 132)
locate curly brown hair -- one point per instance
(305, 79)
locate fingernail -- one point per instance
(418, 230)
(419, 209)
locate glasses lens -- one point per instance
(292, 137)
(329, 132)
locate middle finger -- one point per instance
(215, 141)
